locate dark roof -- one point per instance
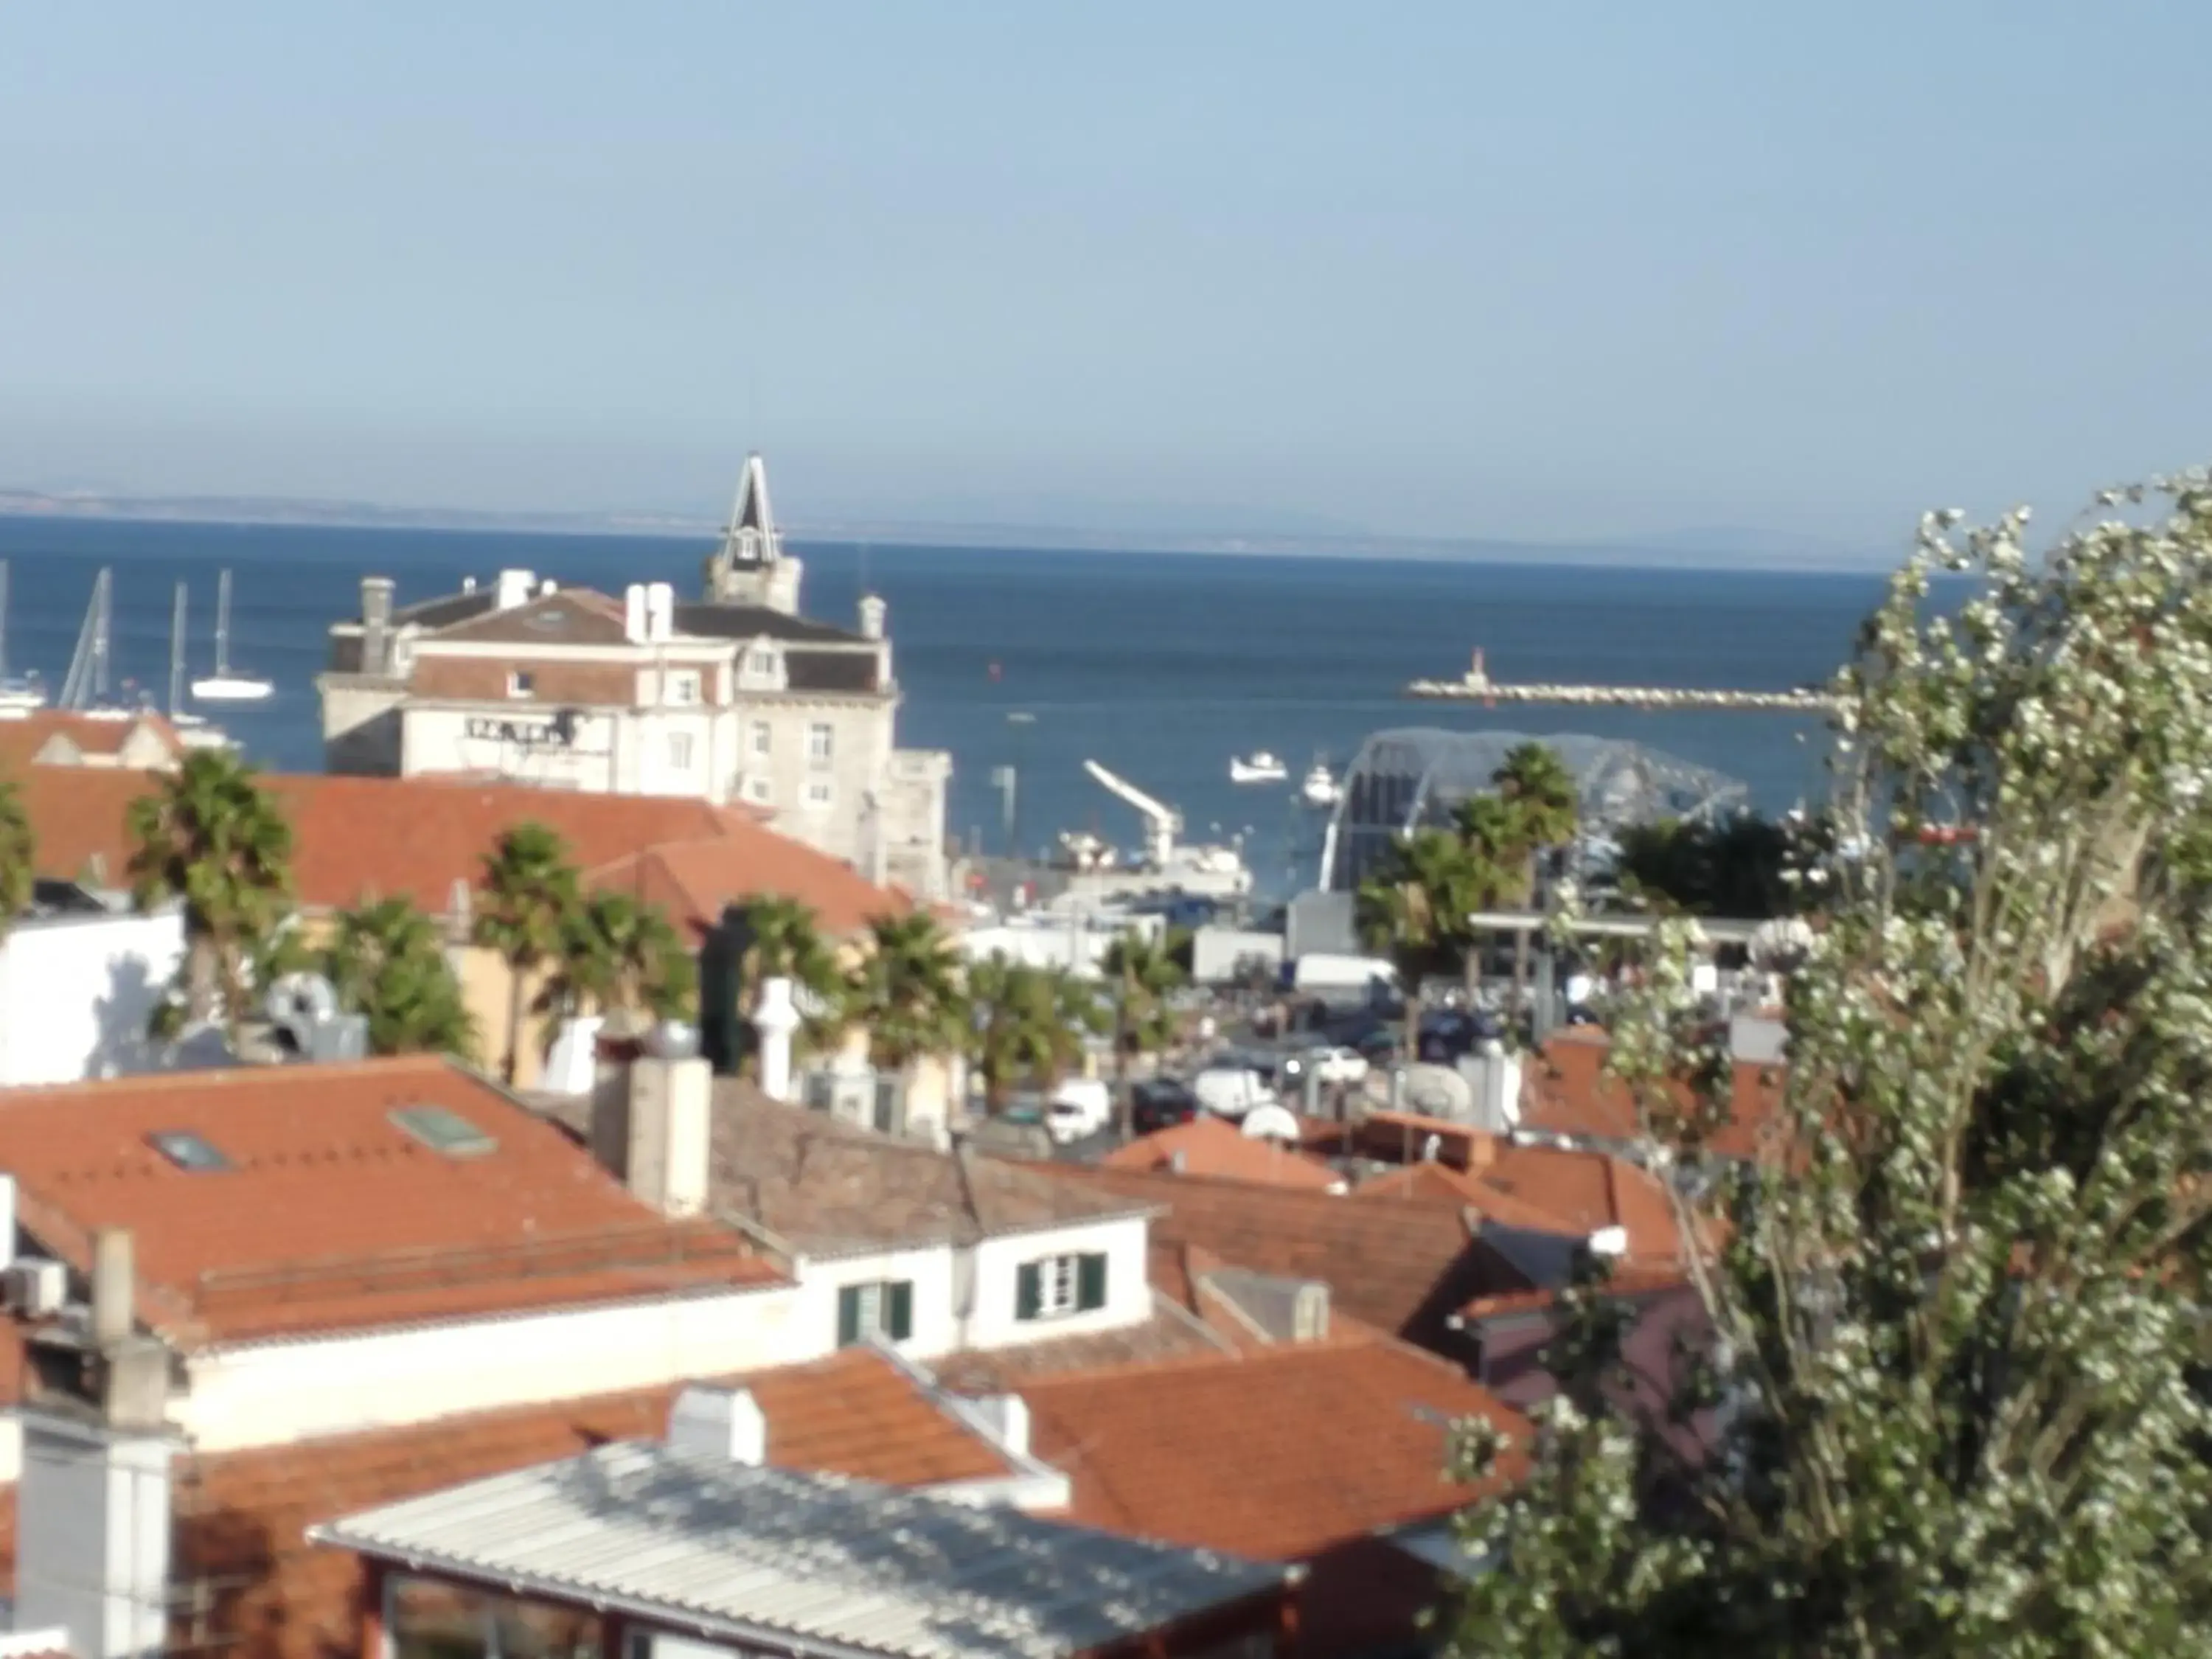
(716, 620)
(574, 617)
(830, 670)
(445, 610)
(827, 1187)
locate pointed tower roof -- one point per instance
(751, 512)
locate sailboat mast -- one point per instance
(223, 626)
(3, 619)
(106, 596)
(176, 656)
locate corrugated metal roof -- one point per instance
(763, 1554)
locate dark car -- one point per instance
(1161, 1103)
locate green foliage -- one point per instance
(1743, 867)
(783, 941)
(617, 956)
(1958, 1307)
(1028, 1024)
(906, 992)
(1414, 909)
(1141, 975)
(210, 834)
(19, 855)
(524, 904)
(387, 960)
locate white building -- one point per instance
(735, 698)
(79, 985)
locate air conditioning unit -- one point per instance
(34, 1288)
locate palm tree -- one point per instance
(783, 940)
(617, 956)
(1028, 1024)
(906, 992)
(1490, 830)
(1141, 973)
(387, 960)
(19, 856)
(1535, 785)
(210, 834)
(1413, 907)
(530, 893)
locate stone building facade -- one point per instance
(735, 698)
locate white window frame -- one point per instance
(821, 794)
(521, 683)
(761, 660)
(679, 751)
(1059, 1279)
(764, 738)
(680, 686)
(821, 743)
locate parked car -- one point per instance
(1161, 1103)
(1078, 1108)
(1338, 1064)
(1231, 1091)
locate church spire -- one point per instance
(749, 567)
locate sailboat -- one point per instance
(19, 695)
(193, 731)
(223, 685)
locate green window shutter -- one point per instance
(1028, 1290)
(1090, 1282)
(899, 1319)
(848, 1316)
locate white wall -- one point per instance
(936, 1321)
(77, 991)
(270, 1393)
(997, 1262)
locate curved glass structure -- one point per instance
(1409, 776)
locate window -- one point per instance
(681, 685)
(756, 789)
(761, 660)
(764, 737)
(885, 1310)
(818, 742)
(819, 793)
(1060, 1285)
(679, 751)
(520, 683)
(187, 1151)
(443, 1131)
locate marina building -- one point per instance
(734, 698)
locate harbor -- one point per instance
(1477, 686)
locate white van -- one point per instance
(1231, 1091)
(1080, 1106)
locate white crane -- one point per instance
(1163, 823)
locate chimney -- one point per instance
(1310, 1312)
(1498, 1096)
(113, 1288)
(1006, 1418)
(660, 612)
(666, 1146)
(376, 624)
(723, 1424)
(872, 613)
(514, 588)
(634, 629)
(93, 1545)
(776, 1019)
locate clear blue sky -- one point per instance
(1451, 267)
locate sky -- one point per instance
(1455, 269)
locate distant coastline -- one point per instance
(1718, 549)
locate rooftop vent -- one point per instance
(188, 1151)
(443, 1131)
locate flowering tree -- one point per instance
(1954, 1377)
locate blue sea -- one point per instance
(1160, 666)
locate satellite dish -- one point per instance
(1439, 1092)
(1271, 1123)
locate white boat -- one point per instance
(1320, 787)
(1258, 767)
(20, 694)
(224, 685)
(193, 731)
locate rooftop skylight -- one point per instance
(443, 1130)
(188, 1151)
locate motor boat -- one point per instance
(226, 685)
(1258, 767)
(1320, 787)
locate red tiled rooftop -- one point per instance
(1567, 1090)
(1208, 1145)
(1544, 1189)
(332, 1216)
(22, 737)
(355, 839)
(1278, 1454)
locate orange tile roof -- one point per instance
(333, 1217)
(1276, 1454)
(1546, 1189)
(1399, 1268)
(359, 838)
(1208, 1145)
(22, 737)
(1568, 1091)
(243, 1516)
